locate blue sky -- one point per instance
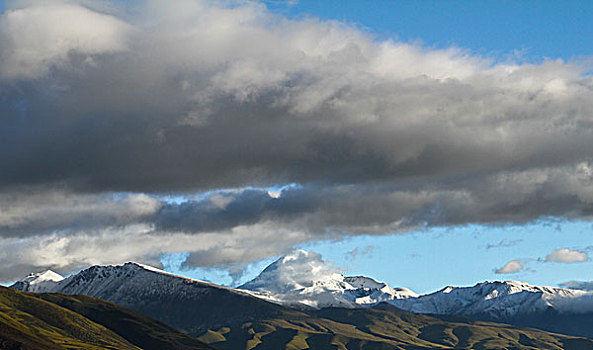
(519, 31)
(532, 29)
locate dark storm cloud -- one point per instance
(151, 99)
(166, 108)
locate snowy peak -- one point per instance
(497, 300)
(305, 278)
(38, 281)
(99, 280)
(368, 283)
(132, 285)
(504, 289)
(48, 275)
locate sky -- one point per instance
(423, 143)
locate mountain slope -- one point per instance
(134, 327)
(183, 303)
(38, 321)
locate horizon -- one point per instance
(422, 144)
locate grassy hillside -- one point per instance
(53, 321)
(337, 328)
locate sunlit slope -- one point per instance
(54, 321)
(340, 328)
(29, 322)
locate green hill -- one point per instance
(55, 321)
(389, 328)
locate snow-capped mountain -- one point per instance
(116, 283)
(303, 278)
(521, 304)
(38, 282)
(499, 300)
(183, 303)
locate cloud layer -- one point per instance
(105, 108)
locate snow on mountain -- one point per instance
(38, 282)
(303, 278)
(116, 283)
(499, 300)
(183, 303)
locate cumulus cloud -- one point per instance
(566, 256)
(107, 107)
(297, 270)
(36, 38)
(512, 266)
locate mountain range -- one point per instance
(228, 318)
(300, 297)
(299, 280)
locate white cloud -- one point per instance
(38, 37)
(297, 270)
(512, 266)
(69, 251)
(566, 256)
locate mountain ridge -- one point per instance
(167, 297)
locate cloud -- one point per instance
(512, 266)
(36, 38)
(566, 256)
(107, 107)
(297, 270)
(504, 243)
(34, 211)
(67, 251)
(582, 285)
(362, 251)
